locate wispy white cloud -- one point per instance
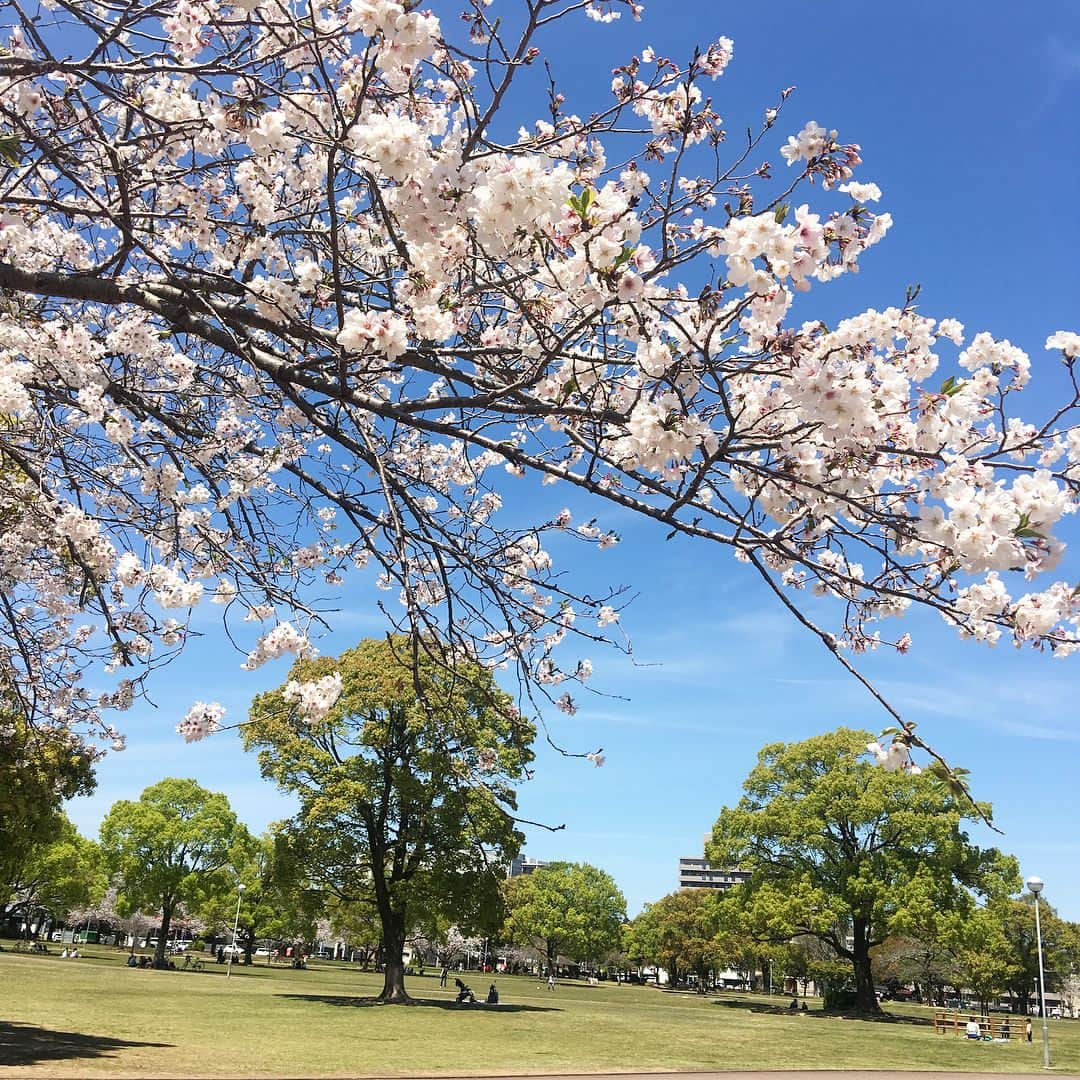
(932, 699)
(656, 720)
(1020, 707)
(618, 837)
(1034, 730)
(712, 648)
(1062, 64)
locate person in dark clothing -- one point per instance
(444, 975)
(465, 996)
(493, 995)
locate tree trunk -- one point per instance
(393, 991)
(865, 999)
(163, 935)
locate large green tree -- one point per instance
(406, 786)
(681, 933)
(171, 847)
(39, 770)
(1061, 948)
(59, 874)
(273, 905)
(850, 853)
(566, 909)
(983, 958)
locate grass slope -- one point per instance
(94, 1017)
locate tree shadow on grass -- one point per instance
(27, 1044)
(427, 1003)
(820, 1014)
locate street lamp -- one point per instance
(236, 922)
(1035, 886)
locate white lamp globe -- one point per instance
(1034, 885)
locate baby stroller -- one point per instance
(464, 995)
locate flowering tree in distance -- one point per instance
(287, 294)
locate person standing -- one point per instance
(551, 981)
(444, 975)
(1027, 1029)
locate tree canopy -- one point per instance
(406, 785)
(681, 932)
(38, 771)
(1061, 948)
(850, 853)
(169, 847)
(290, 294)
(566, 909)
(272, 907)
(59, 873)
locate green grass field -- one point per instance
(95, 1017)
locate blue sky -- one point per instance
(966, 113)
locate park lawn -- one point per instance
(95, 1017)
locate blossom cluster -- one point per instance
(299, 303)
(201, 720)
(314, 699)
(895, 757)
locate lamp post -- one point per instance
(1035, 886)
(236, 923)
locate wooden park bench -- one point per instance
(996, 1027)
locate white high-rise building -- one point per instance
(696, 873)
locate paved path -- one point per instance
(783, 1074)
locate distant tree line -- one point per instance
(861, 880)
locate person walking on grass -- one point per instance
(551, 981)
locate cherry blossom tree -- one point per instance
(290, 292)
